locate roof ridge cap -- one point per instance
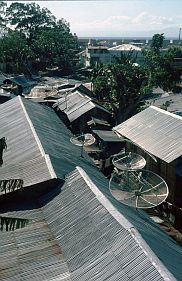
(32, 127)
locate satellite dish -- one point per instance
(138, 188)
(128, 161)
(83, 140)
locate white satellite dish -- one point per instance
(83, 140)
(138, 188)
(128, 161)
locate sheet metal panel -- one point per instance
(155, 130)
(55, 139)
(24, 157)
(94, 244)
(108, 136)
(32, 253)
(76, 104)
(175, 102)
(75, 237)
(32, 171)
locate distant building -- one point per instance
(94, 55)
(125, 49)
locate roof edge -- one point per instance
(104, 201)
(164, 272)
(50, 167)
(166, 112)
(32, 128)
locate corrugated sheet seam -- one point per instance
(32, 128)
(167, 276)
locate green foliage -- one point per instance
(29, 18)
(157, 42)
(14, 49)
(2, 17)
(56, 46)
(37, 37)
(173, 52)
(10, 224)
(120, 87)
(158, 65)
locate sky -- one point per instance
(118, 18)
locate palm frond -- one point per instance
(10, 224)
(10, 185)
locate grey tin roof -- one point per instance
(84, 234)
(155, 130)
(99, 238)
(175, 103)
(98, 121)
(76, 104)
(107, 136)
(31, 253)
(39, 147)
(25, 157)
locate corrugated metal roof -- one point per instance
(25, 157)
(32, 253)
(84, 234)
(98, 240)
(108, 136)
(2, 78)
(174, 103)
(96, 233)
(76, 104)
(125, 47)
(155, 130)
(98, 121)
(55, 139)
(20, 80)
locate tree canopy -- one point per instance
(45, 40)
(122, 87)
(158, 64)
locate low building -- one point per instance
(76, 230)
(76, 109)
(156, 134)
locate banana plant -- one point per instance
(10, 224)
(10, 185)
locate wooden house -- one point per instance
(76, 109)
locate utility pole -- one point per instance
(179, 35)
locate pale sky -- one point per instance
(117, 18)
